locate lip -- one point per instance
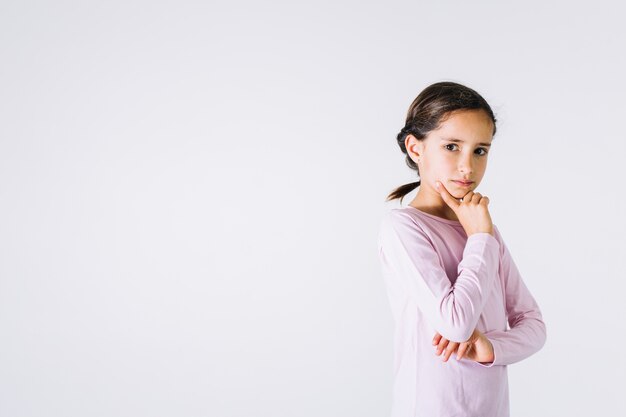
(464, 183)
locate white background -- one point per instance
(190, 194)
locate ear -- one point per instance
(414, 147)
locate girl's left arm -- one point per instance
(527, 333)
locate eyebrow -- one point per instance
(460, 141)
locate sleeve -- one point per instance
(527, 333)
(453, 310)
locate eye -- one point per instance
(484, 150)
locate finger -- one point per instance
(484, 200)
(476, 198)
(437, 338)
(448, 198)
(450, 350)
(467, 197)
(461, 351)
(442, 345)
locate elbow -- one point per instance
(538, 326)
(543, 334)
(456, 331)
(456, 334)
(455, 323)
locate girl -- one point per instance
(451, 281)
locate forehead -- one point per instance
(468, 126)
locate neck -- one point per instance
(430, 201)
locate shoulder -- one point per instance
(399, 218)
(401, 222)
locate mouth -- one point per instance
(463, 183)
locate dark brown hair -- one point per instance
(429, 109)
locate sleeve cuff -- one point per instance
(484, 237)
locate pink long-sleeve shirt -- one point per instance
(440, 280)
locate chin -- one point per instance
(460, 192)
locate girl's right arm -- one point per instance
(452, 310)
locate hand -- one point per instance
(477, 348)
(472, 211)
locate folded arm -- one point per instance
(453, 310)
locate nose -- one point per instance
(466, 165)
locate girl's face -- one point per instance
(457, 151)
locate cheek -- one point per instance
(445, 165)
(437, 165)
(482, 166)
